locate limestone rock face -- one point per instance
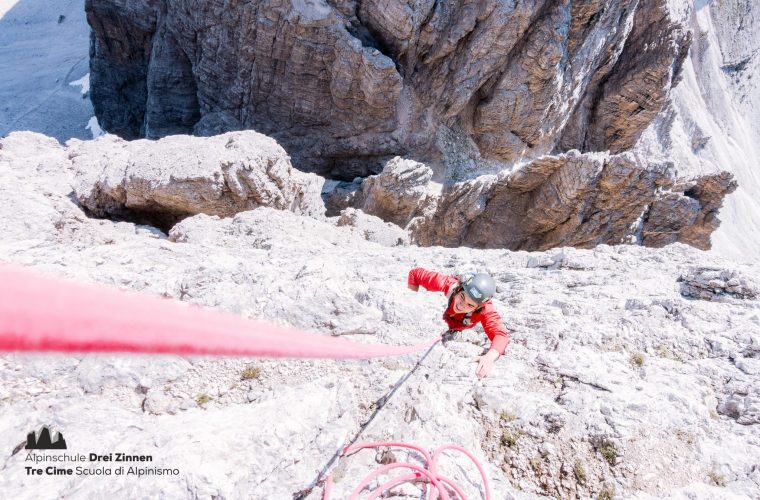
(162, 182)
(691, 217)
(573, 199)
(632, 92)
(346, 85)
(398, 192)
(606, 353)
(710, 123)
(455, 210)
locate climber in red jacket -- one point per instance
(469, 304)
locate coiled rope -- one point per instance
(439, 484)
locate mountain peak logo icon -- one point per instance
(42, 440)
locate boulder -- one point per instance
(162, 182)
(398, 192)
(708, 283)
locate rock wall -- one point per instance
(345, 85)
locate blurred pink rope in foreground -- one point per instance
(43, 313)
(430, 473)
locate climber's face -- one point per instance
(463, 303)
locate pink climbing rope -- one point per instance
(430, 473)
(43, 313)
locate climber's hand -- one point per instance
(414, 287)
(485, 363)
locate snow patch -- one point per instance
(83, 82)
(94, 127)
(6, 5)
(312, 10)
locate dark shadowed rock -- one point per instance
(345, 86)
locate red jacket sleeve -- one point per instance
(494, 328)
(430, 280)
